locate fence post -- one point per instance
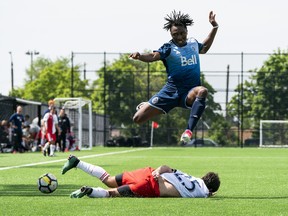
(72, 75)
(242, 99)
(104, 99)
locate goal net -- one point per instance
(79, 111)
(273, 133)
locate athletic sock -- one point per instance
(197, 109)
(99, 193)
(42, 142)
(93, 170)
(52, 149)
(46, 146)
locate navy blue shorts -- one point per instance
(168, 98)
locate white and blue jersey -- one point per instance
(188, 186)
(183, 71)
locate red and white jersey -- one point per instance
(50, 121)
(188, 186)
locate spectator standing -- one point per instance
(50, 123)
(64, 125)
(51, 104)
(16, 121)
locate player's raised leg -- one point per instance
(72, 162)
(93, 170)
(145, 112)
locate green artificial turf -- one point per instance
(253, 182)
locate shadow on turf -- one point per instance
(253, 198)
(65, 190)
(39, 166)
(52, 166)
(32, 190)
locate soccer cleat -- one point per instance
(84, 190)
(71, 163)
(45, 153)
(140, 105)
(186, 136)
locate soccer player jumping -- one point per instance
(181, 59)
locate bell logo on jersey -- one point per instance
(190, 61)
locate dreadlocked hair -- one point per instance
(177, 19)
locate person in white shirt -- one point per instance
(50, 120)
(145, 182)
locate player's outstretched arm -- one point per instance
(146, 57)
(207, 43)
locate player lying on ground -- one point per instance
(145, 182)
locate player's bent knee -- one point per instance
(110, 182)
(137, 119)
(203, 92)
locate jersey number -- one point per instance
(190, 185)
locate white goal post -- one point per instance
(72, 104)
(273, 133)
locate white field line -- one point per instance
(61, 160)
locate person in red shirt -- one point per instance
(50, 124)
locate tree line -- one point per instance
(123, 83)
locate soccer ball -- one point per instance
(47, 183)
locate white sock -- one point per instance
(93, 170)
(99, 193)
(52, 149)
(46, 146)
(42, 142)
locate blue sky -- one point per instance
(55, 28)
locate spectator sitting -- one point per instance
(35, 133)
(5, 131)
(26, 120)
(4, 134)
(27, 138)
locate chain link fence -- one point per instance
(223, 71)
